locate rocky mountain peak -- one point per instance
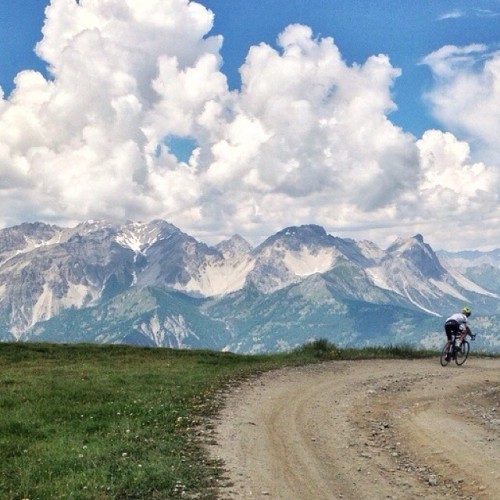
(306, 232)
(236, 245)
(139, 236)
(294, 237)
(25, 237)
(46, 271)
(419, 254)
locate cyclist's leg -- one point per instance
(450, 330)
(463, 334)
(445, 357)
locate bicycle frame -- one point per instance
(450, 351)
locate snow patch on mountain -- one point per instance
(139, 235)
(470, 285)
(48, 305)
(416, 303)
(379, 277)
(219, 278)
(130, 240)
(399, 276)
(32, 244)
(307, 261)
(28, 245)
(402, 245)
(172, 332)
(44, 306)
(370, 251)
(448, 289)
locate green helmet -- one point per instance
(466, 310)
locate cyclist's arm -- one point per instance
(468, 331)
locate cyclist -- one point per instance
(457, 324)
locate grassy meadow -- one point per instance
(102, 422)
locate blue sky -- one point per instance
(413, 36)
(20, 29)
(404, 29)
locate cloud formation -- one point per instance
(452, 14)
(307, 138)
(466, 94)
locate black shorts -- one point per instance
(451, 327)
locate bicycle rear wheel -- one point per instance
(446, 354)
(463, 353)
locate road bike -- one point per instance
(454, 349)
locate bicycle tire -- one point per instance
(446, 354)
(463, 353)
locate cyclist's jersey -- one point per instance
(459, 318)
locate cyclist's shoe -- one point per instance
(447, 357)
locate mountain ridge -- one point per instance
(54, 278)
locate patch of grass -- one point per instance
(118, 422)
(321, 349)
(98, 422)
(387, 352)
(88, 421)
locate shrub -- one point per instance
(320, 349)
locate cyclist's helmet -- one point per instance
(466, 310)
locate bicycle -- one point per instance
(458, 353)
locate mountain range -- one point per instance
(152, 284)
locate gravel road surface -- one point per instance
(364, 430)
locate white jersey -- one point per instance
(460, 318)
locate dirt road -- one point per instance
(364, 430)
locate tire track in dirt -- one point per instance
(364, 429)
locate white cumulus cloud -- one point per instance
(307, 139)
(466, 94)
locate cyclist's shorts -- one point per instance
(450, 327)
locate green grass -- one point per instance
(102, 422)
(87, 421)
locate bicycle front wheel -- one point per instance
(463, 353)
(446, 354)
